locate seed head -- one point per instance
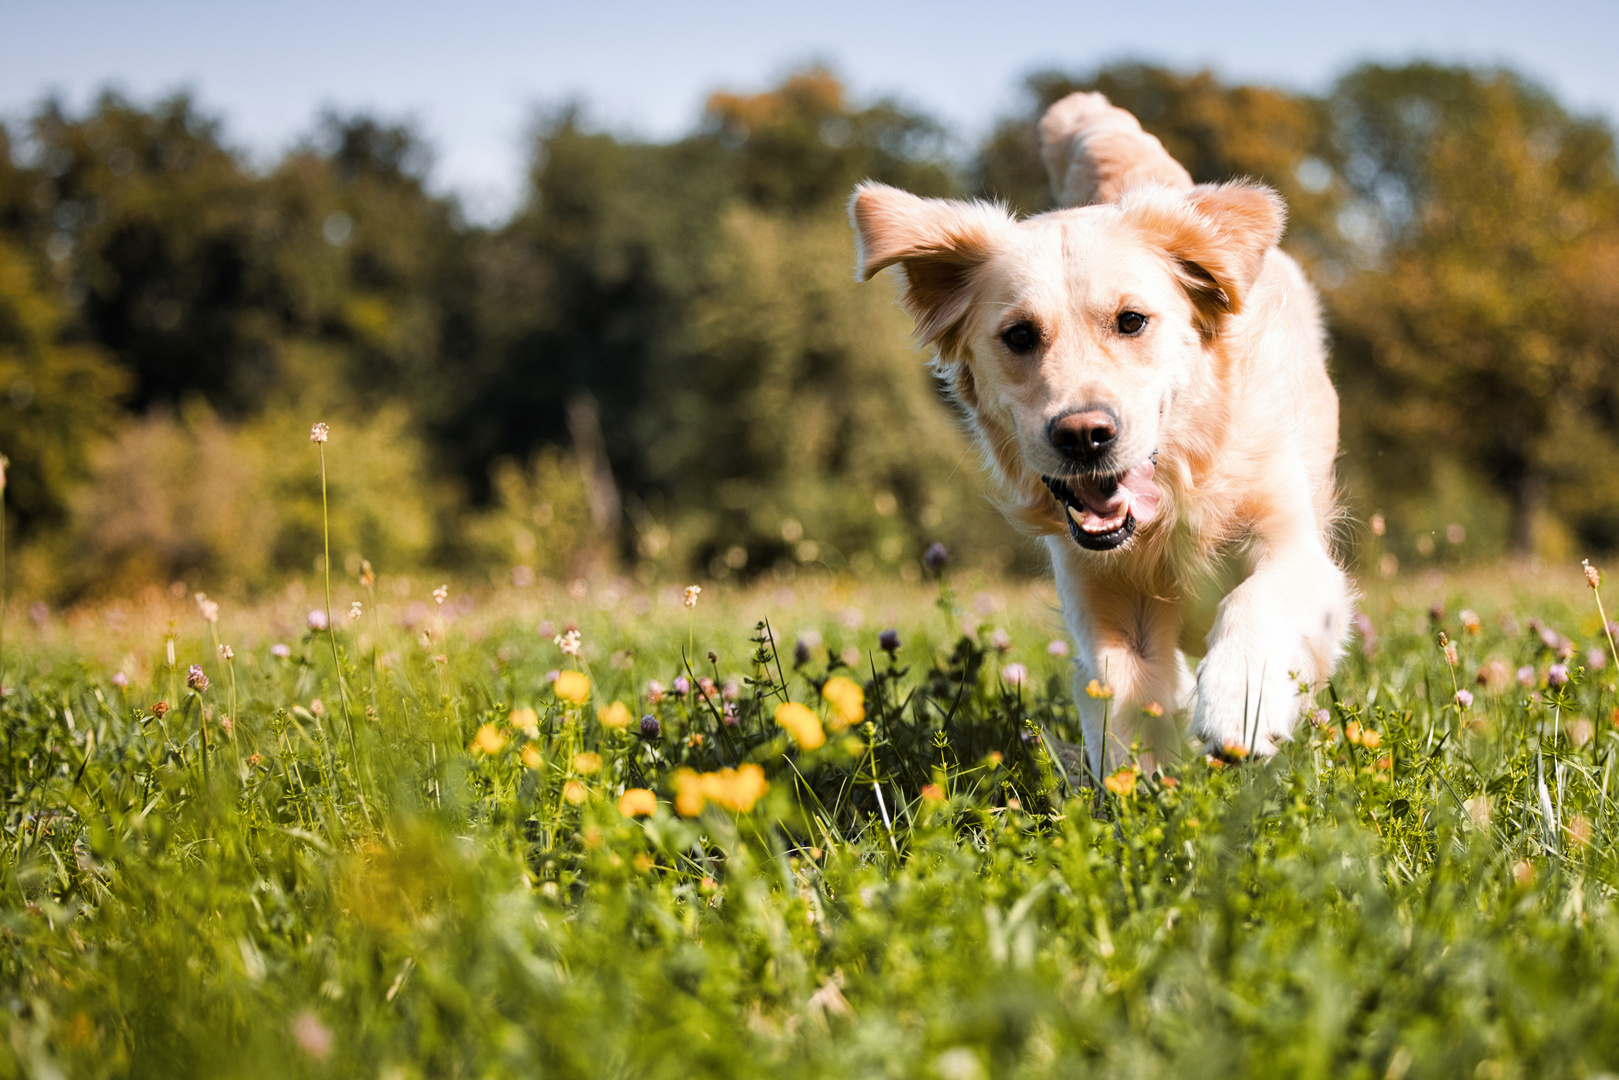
(692, 593)
(196, 679)
(319, 433)
(1593, 577)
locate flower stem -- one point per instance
(331, 624)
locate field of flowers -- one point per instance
(807, 829)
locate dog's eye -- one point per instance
(1020, 337)
(1131, 322)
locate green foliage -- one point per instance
(540, 523)
(1412, 887)
(57, 399)
(188, 495)
(1459, 222)
(803, 426)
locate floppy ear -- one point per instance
(940, 243)
(1217, 236)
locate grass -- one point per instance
(923, 895)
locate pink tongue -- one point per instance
(1106, 510)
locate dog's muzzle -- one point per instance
(1104, 512)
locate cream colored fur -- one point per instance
(1227, 384)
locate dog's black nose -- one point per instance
(1084, 435)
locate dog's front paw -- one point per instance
(1244, 709)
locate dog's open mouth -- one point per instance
(1105, 511)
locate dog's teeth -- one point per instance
(1078, 520)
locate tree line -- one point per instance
(661, 360)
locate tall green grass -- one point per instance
(923, 895)
(459, 840)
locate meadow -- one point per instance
(437, 835)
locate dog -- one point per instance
(1145, 373)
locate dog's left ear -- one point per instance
(1217, 236)
(940, 243)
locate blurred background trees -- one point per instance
(662, 360)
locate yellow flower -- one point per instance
(573, 686)
(848, 701)
(616, 715)
(532, 758)
(1096, 690)
(735, 789)
(803, 725)
(688, 793)
(586, 762)
(637, 802)
(525, 720)
(1122, 783)
(932, 793)
(489, 740)
(574, 792)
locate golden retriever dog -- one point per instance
(1145, 373)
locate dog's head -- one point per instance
(1078, 341)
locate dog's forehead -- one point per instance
(1087, 256)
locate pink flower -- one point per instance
(1058, 647)
(280, 651)
(1014, 674)
(313, 1037)
(1464, 699)
(318, 620)
(120, 680)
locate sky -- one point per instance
(473, 75)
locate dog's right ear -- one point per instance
(940, 244)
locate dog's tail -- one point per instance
(1095, 151)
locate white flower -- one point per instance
(354, 610)
(319, 433)
(569, 643)
(441, 594)
(208, 608)
(692, 592)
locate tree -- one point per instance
(1474, 331)
(58, 399)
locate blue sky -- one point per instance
(471, 74)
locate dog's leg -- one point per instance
(1282, 627)
(1125, 642)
